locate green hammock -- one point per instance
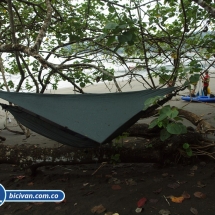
(81, 120)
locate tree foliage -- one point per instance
(44, 42)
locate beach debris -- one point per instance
(166, 200)
(203, 163)
(57, 208)
(30, 183)
(114, 180)
(98, 209)
(116, 187)
(130, 182)
(140, 205)
(200, 185)
(165, 174)
(181, 182)
(194, 168)
(20, 177)
(179, 199)
(191, 174)
(164, 212)
(153, 201)
(158, 190)
(200, 195)
(102, 164)
(141, 202)
(28, 207)
(88, 193)
(138, 210)
(109, 213)
(158, 179)
(38, 203)
(194, 211)
(173, 185)
(185, 195)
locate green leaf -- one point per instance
(164, 112)
(153, 123)
(151, 101)
(189, 152)
(160, 124)
(125, 37)
(176, 128)
(186, 146)
(178, 118)
(111, 25)
(110, 40)
(173, 113)
(111, 9)
(194, 78)
(164, 134)
(162, 117)
(82, 84)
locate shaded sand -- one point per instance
(118, 187)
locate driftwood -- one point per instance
(127, 150)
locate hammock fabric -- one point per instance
(82, 120)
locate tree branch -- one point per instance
(206, 6)
(42, 32)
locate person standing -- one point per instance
(206, 80)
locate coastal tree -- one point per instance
(83, 42)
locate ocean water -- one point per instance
(119, 71)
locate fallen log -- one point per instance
(128, 150)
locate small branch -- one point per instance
(10, 11)
(3, 73)
(42, 32)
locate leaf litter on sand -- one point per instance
(200, 195)
(194, 168)
(158, 190)
(186, 195)
(173, 185)
(130, 182)
(98, 209)
(141, 202)
(153, 201)
(179, 199)
(194, 211)
(138, 210)
(140, 205)
(164, 212)
(116, 187)
(200, 184)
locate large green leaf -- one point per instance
(111, 25)
(164, 134)
(151, 101)
(176, 128)
(194, 78)
(153, 123)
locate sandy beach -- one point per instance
(112, 189)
